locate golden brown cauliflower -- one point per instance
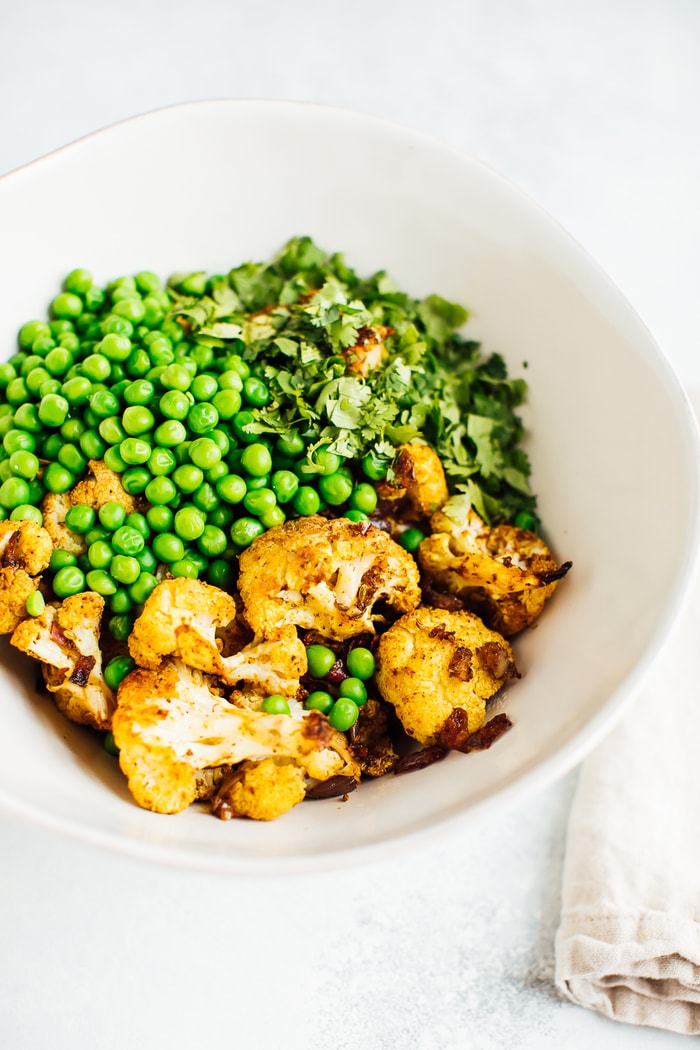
(25, 551)
(505, 574)
(170, 723)
(65, 638)
(101, 485)
(324, 574)
(261, 790)
(419, 482)
(173, 606)
(432, 661)
(183, 617)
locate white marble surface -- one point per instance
(594, 109)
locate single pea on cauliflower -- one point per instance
(431, 662)
(326, 575)
(25, 551)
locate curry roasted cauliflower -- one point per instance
(65, 638)
(505, 574)
(101, 485)
(419, 481)
(432, 661)
(261, 790)
(171, 723)
(326, 575)
(184, 617)
(25, 551)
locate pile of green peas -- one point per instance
(342, 710)
(112, 376)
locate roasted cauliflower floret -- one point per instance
(25, 551)
(181, 618)
(261, 790)
(432, 661)
(505, 574)
(324, 574)
(65, 638)
(419, 480)
(170, 723)
(101, 485)
(174, 606)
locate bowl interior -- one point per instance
(612, 441)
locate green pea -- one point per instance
(220, 573)
(256, 459)
(27, 418)
(273, 517)
(35, 603)
(212, 542)
(335, 488)
(143, 587)
(70, 457)
(375, 466)
(18, 441)
(411, 539)
(231, 380)
(240, 422)
(80, 518)
(319, 701)
(189, 523)
(361, 663)
(275, 705)
(57, 478)
(202, 417)
(120, 627)
(68, 581)
(115, 347)
(204, 387)
(306, 501)
(31, 331)
(58, 361)
(320, 660)
(138, 521)
(259, 502)
(355, 515)
(170, 433)
(135, 479)
(66, 304)
(227, 403)
(204, 453)
(117, 669)
(124, 569)
(353, 689)
(184, 567)
(24, 464)
(255, 392)
(78, 281)
(111, 515)
(60, 559)
(135, 451)
(168, 547)
(27, 512)
(291, 444)
(113, 459)
(245, 530)
(53, 410)
(92, 445)
(127, 540)
(160, 490)
(96, 368)
(343, 714)
(159, 518)
(285, 485)
(364, 497)
(188, 478)
(101, 582)
(231, 488)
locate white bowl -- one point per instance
(611, 437)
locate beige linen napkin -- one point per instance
(629, 940)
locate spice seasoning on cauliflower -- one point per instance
(432, 661)
(172, 722)
(25, 551)
(505, 574)
(325, 574)
(65, 638)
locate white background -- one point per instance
(593, 108)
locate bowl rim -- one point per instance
(540, 773)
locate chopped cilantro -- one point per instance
(301, 322)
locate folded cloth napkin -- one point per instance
(628, 944)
